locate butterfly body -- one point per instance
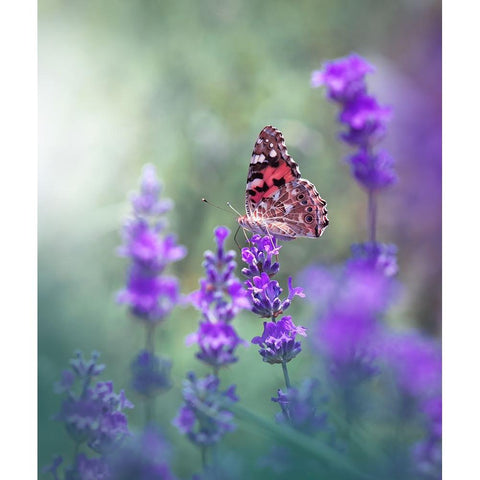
(278, 201)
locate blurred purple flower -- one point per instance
(302, 407)
(148, 201)
(416, 362)
(150, 296)
(343, 78)
(277, 342)
(378, 256)
(427, 453)
(221, 295)
(88, 469)
(150, 374)
(205, 416)
(144, 456)
(217, 342)
(95, 415)
(374, 172)
(259, 256)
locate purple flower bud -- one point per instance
(221, 295)
(150, 374)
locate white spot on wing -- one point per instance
(273, 153)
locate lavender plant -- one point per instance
(205, 417)
(278, 341)
(351, 333)
(150, 294)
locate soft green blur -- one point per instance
(187, 86)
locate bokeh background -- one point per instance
(187, 86)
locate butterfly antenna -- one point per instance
(216, 206)
(234, 209)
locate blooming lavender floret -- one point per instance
(278, 344)
(92, 414)
(150, 374)
(205, 416)
(302, 407)
(265, 296)
(150, 294)
(259, 256)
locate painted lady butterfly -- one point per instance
(277, 201)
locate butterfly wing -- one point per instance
(278, 201)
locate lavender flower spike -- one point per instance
(220, 297)
(150, 294)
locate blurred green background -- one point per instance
(187, 86)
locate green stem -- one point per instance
(149, 340)
(203, 451)
(285, 374)
(372, 216)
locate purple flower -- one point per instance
(373, 171)
(205, 416)
(265, 296)
(365, 119)
(343, 78)
(427, 453)
(378, 256)
(302, 407)
(89, 469)
(416, 362)
(150, 374)
(148, 201)
(259, 256)
(150, 295)
(95, 415)
(263, 291)
(221, 295)
(217, 342)
(143, 456)
(277, 342)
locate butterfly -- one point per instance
(278, 201)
